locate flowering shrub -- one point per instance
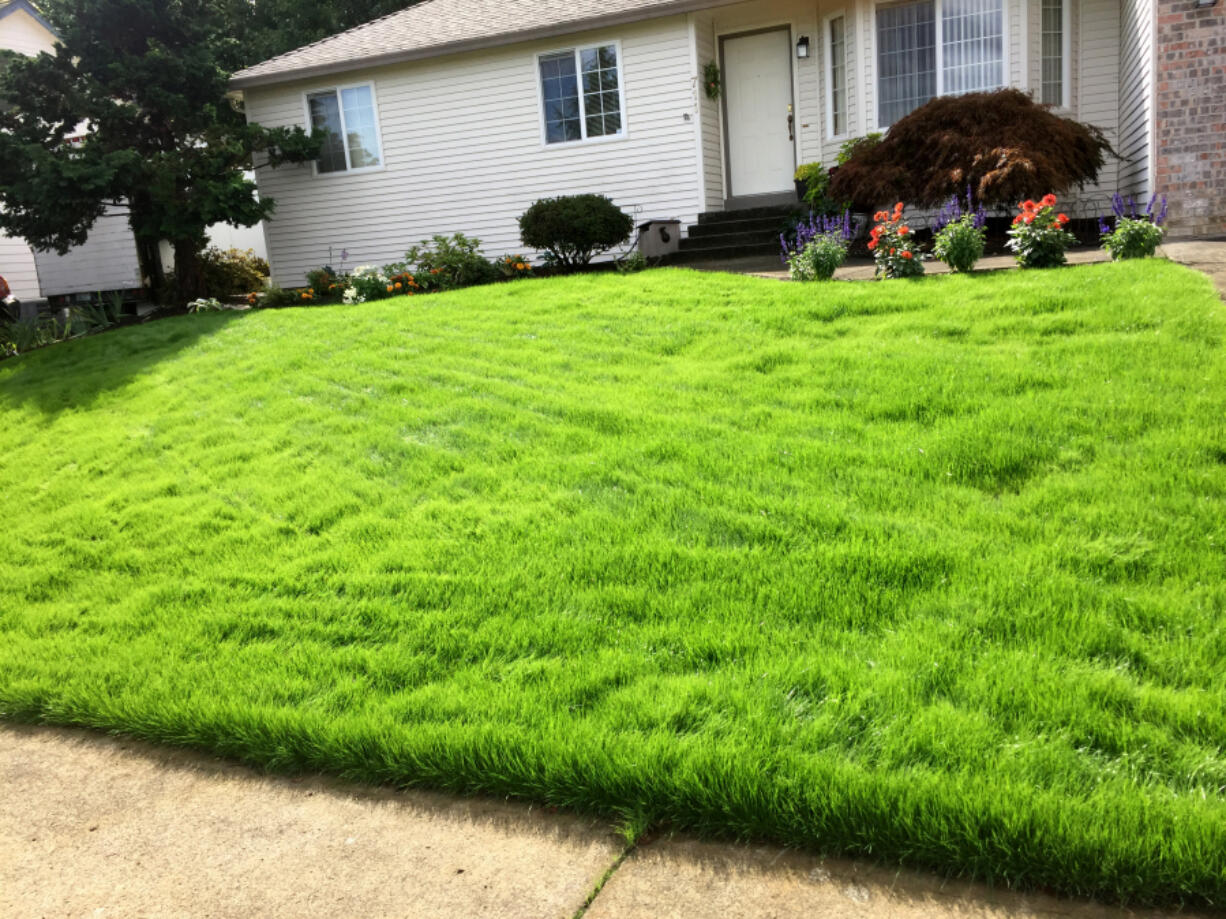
(814, 248)
(893, 246)
(959, 233)
(513, 266)
(366, 283)
(1134, 236)
(447, 262)
(1038, 238)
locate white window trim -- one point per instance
(847, 45)
(940, 55)
(623, 134)
(374, 102)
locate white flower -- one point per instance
(351, 296)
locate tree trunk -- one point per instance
(189, 274)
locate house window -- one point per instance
(838, 77)
(581, 93)
(348, 115)
(1052, 52)
(921, 54)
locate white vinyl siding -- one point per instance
(106, 261)
(17, 268)
(1136, 95)
(463, 152)
(21, 32)
(708, 114)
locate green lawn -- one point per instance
(932, 572)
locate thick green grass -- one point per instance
(931, 572)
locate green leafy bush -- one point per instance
(571, 229)
(231, 272)
(960, 244)
(1133, 237)
(1038, 238)
(819, 258)
(857, 145)
(513, 266)
(446, 263)
(815, 180)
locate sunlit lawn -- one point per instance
(929, 571)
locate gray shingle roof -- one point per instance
(436, 27)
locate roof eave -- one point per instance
(239, 82)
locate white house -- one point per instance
(108, 260)
(454, 115)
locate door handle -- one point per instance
(791, 124)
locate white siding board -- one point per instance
(17, 268)
(1135, 95)
(107, 261)
(21, 32)
(463, 152)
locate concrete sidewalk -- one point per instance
(93, 826)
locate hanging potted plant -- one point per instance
(711, 82)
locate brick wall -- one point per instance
(1190, 109)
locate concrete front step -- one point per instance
(763, 226)
(777, 212)
(709, 253)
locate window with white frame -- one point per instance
(928, 48)
(1052, 52)
(348, 116)
(838, 77)
(581, 93)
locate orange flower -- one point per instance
(520, 265)
(389, 288)
(398, 285)
(306, 296)
(1028, 219)
(881, 215)
(1049, 200)
(906, 254)
(435, 270)
(904, 230)
(892, 251)
(898, 208)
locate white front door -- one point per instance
(757, 103)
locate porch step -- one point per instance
(729, 234)
(779, 212)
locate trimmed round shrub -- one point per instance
(229, 272)
(571, 229)
(1132, 238)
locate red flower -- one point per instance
(898, 208)
(1028, 219)
(1028, 206)
(1049, 200)
(872, 244)
(1017, 219)
(881, 215)
(892, 251)
(1062, 219)
(906, 254)
(904, 230)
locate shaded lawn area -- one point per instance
(931, 572)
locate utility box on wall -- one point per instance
(658, 238)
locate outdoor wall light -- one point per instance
(802, 43)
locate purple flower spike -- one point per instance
(1103, 227)
(1132, 206)
(1161, 218)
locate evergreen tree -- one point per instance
(142, 86)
